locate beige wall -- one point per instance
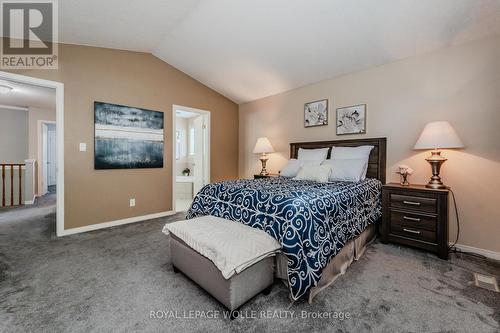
(13, 135)
(19, 136)
(35, 144)
(13, 148)
(459, 84)
(136, 79)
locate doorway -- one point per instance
(17, 86)
(191, 154)
(48, 158)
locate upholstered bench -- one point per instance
(231, 261)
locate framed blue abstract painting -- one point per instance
(127, 137)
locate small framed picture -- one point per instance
(316, 113)
(351, 120)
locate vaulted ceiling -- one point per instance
(249, 49)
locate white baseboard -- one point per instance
(109, 224)
(30, 202)
(487, 253)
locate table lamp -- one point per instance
(437, 135)
(263, 146)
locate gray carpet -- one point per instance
(111, 280)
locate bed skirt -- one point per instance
(353, 250)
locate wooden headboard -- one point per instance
(376, 163)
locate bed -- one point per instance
(322, 227)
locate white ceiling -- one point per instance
(248, 49)
(26, 95)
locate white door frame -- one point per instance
(207, 169)
(59, 87)
(39, 154)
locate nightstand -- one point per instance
(416, 216)
(265, 176)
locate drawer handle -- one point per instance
(413, 203)
(416, 232)
(411, 218)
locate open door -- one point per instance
(198, 158)
(51, 158)
(45, 174)
(191, 151)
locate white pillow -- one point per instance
(312, 154)
(349, 170)
(349, 153)
(293, 167)
(319, 173)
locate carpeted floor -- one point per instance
(112, 280)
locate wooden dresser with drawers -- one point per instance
(416, 216)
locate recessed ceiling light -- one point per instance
(5, 88)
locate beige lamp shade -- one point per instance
(263, 146)
(437, 135)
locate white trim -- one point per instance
(487, 253)
(209, 131)
(115, 223)
(59, 87)
(30, 202)
(174, 147)
(12, 107)
(28, 162)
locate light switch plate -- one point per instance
(132, 202)
(83, 146)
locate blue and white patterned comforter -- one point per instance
(311, 220)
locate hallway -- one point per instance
(19, 219)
